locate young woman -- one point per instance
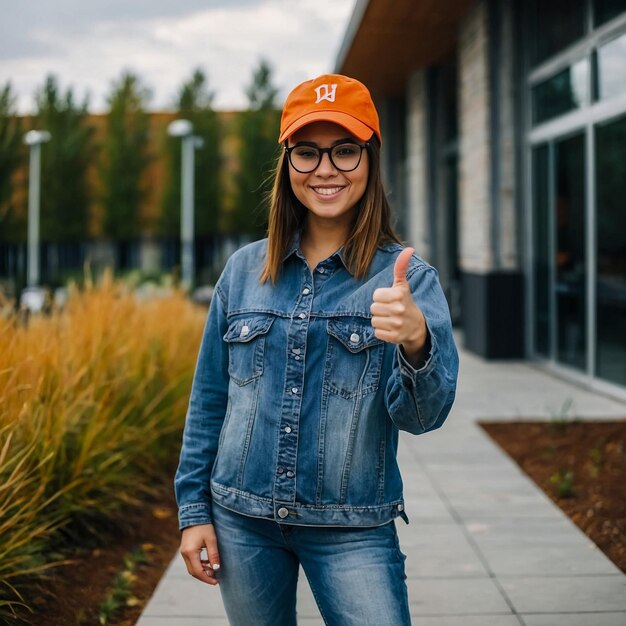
(323, 341)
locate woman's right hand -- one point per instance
(193, 540)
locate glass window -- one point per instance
(553, 26)
(605, 10)
(610, 74)
(569, 217)
(611, 243)
(561, 93)
(541, 250)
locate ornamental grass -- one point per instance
(92, 403)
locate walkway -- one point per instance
(485, 546)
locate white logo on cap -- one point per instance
(325, 92)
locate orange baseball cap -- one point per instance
(331, 98)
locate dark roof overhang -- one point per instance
(387, 40)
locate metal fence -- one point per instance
(152, 257)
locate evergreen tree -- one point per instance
(258, 132)
(65, 195)
(125, 157)
(12, 156)
(195, 103)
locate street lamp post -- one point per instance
(34, 139)
(184, 130)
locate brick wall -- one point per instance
(482, 248)
(475, 149)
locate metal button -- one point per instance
(400, 506)
(306, 291)
(297, 358)
(280, 470)
(287, 429)
(283, 512)
(245, 331)
(302, 316)
(290, 474)
(354, 338)
(294, 390)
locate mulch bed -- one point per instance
(581, 466)
(73, 593)
(586, 461)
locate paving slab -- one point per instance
(545, 547)
(169, 620)
(467, 620)
(439, 550)
(543, 594)
(455, 596)
(576, 619)
(177, 598)
(485, 546)
(427, 509)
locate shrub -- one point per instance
(92, 402)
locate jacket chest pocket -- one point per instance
(353, 358)
(246, 347)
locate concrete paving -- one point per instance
(485, 546)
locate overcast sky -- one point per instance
(88, 43)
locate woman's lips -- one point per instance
(328, 192)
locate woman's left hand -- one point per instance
(395, 316)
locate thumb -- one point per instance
(401, 266)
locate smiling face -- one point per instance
(326, 192)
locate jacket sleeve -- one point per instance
(203, 423)
(420, 400)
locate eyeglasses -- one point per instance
(345, 157)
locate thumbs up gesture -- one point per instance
(395, 316)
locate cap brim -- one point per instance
(353, 126)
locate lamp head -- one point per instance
(36, 137)
(180, 128)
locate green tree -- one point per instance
(65, 193)
(125, 157)
(12, 156)
(258, 132)
(195, 103)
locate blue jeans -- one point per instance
(356, 574)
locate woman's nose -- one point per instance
(326, 167)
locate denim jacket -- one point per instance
(296, 405)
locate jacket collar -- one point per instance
(335, 258)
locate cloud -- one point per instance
(164, 45)
(22, 22)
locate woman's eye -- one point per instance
(346, 151)
(306, 153)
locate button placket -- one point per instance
(285, 483)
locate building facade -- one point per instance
(504, 126)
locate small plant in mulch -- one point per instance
(563, 482)
(596, 459)
(581, 466)
(560, 420)
(120, 595)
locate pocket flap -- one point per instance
(354, 336)
(245, 329)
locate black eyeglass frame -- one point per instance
(322, 151)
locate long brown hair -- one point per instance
(372, 225)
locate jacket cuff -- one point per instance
(194, 514)
(408, 370)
